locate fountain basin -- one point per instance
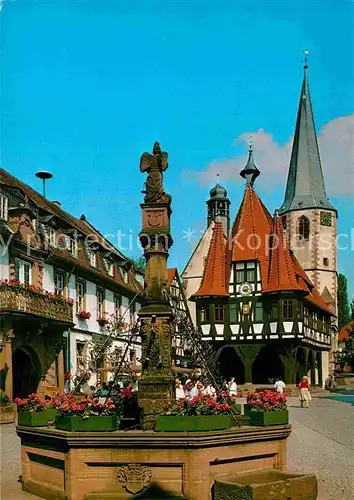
(65, 465)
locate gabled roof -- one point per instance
(283, 275)
(305, 186)
(171, 273)
(214, 276)
(250, 232)
(83, 227)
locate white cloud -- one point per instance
(336, 143)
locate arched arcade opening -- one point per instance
(26, 368)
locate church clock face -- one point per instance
(245, 289)
(326, 219)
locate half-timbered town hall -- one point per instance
(265, 289)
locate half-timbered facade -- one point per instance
(256, 304)
(265, 291)
(61, 283)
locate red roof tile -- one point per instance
(250, 232)
(171, 273)
(282, 274)
(344, 332)
(214, 276)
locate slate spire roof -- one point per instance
(250, 172)
(214, 276)
(305, 186)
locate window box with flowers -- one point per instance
(86, 415)
(7, 409)
(102, 321)
(34, 411)
(84, 315)
(202, 413)
(267, 408)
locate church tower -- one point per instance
(310, 220)
(219, 208)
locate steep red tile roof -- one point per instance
(171, 273)
(214, 276)
(344, 332)
(283, 275)
(250, 232)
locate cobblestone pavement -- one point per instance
(321, 442)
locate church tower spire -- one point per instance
(305, 187)
(309, 219)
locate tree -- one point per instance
(140, 262)
(346, 355)
(343, 303)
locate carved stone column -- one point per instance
(6, 364)
(157, 322)
(60, 371)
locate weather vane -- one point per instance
(250, 144)
(217, 178)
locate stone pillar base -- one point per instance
(154, 390)
(106, 465)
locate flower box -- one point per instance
(37, 418)
(180, 423)
(269, 417)
(75, 423)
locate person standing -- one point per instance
(190, 390)
(179, 390)
(232, 386)
(279, 386)
(209, 390)
(305, 395)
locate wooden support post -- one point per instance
(247, 354)
(60, 372)
(288, 358)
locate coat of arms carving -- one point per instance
(134, 477)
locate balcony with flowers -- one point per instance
(23, 299)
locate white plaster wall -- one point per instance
(4, 262)
(83, 329)
(193, 272)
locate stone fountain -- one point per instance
(105, 465)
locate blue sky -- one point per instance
(87, 86)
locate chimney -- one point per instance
(56, 203)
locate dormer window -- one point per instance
(92, 256)
(109, 266)
(73, 248)
(124, 274)
(245, 272)
(52, 236)
(4, 204)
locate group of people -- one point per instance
(193, 388)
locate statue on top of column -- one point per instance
(154, 164)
